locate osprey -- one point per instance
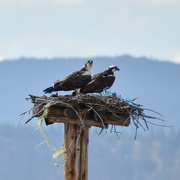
(100, 81)
(74, 81)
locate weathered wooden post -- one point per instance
(76, 142)
(78, 114)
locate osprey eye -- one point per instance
(90, 61)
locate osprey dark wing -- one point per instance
(72, 81)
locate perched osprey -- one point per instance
(100, 81)
(74, 81)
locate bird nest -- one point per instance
(89, 110)
(92, 110)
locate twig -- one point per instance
(155, 112)
(145, 122)
(116, 132)
(100, 119)
(135, 133)
(100, 131)
(158, 124)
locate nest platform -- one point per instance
(89, 110)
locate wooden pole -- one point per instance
(76, 142)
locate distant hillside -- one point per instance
(155, 83)
(152, 156)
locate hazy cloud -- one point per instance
(124, 17)
(121, 16)
(176, 59)
(60, 2)
(1, 59)
(155, 2)
(88, 28)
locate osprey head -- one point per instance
(88, 65)
(86, 69)
(113, 68)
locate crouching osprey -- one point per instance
(74, 81)
(100, 81)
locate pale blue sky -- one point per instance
(85, 28)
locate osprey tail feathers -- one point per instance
(48, 90)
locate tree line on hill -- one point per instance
(153, 155)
